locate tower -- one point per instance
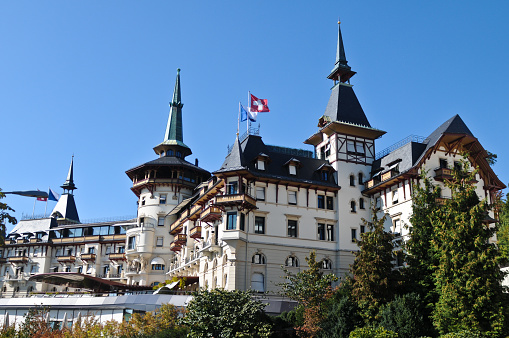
(65, 211)
(347, 140)
(160, 185)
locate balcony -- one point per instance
(180, 239)
(116, 238)
(174, 246)
(177, 225)
(194, 213)
(117, 256)
(442, 200)
(210, 191)
(381, 178)
(243, 200)
(211, 214)
(17, 259)
(66, 259)
(35, 240)
(442, 174)
(195, 232)
(21, 241)
(88, 257)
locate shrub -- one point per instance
(371, 332)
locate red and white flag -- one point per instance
(44, 199)
(258, 105)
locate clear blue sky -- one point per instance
(94, 78)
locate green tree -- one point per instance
(503, 230)
(4, 216)
(374, 281)
(468, 277)
(224, 314)
(404, 315)
(311, 288)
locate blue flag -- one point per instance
(53, 196)
(244, 115)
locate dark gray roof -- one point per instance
(344, 106)
(170, 161)
(66, 206)
(244, 154)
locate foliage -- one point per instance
(404, 315)
(342, 316)
(284, 323)
(371, 332)
(468, 277)
(4, 216)
(373, 276)
(463, 334)
(181, 282)
(310, 288)
(220, 313)
(491, 158)
(503, 231)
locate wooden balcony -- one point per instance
(115, 238)
(243, 200)
(442, 174)
(210, 191)
(211, 214)
(175, 246)
(3, 260)
(180, 239)
(195, 232)
(17, 259)
(117, 256)
(66, 259)
(35, 240)
(194, 213)
(21, 241)
(88, 257)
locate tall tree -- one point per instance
(4, 216)
(467, 277)
(374, 280)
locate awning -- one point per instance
(157, 260)
(181, 205)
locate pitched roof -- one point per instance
(343, 106)
(244, 154)
(168, 161)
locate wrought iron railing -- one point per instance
(408, 139)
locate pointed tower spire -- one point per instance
(342, 72)
(69, 182)
(173, 143)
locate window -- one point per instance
(54, 269)
(322, 153)
(353, 207)
(394, 196)
(330, 232)
(330, 203)
(121, 249)
(260, 165)
(178, 154)
(292, 228)
(157, 266)
(142, 221)
(91, 250)
(396, 228)
(260, 193)
(259, 226)
(361, 178)
(169, 153)
(258, 258)
(292, 169)
(363, 229)
(233, 188)
(36, 252)
(79, 269)
(457, 165)
(352, 180)
(400, 258)
(108, 250)
(231, 221)
(326, 264)
(325, 175)
(321, 201)
(258, 282)
(292, 261)
(292, 197)
(378, 202)
(242, 221)
(354, 235)
(89, 268)
(355, 147)
(327, 150)
(361, 203)
(359, 147)
(160, 221)
(34, 269)
(162, 199)
(321, 231)
(143, 200)
(131, 243)
(159, 241)
(120, 267)
(443, 163)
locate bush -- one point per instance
(342, 318)
(463, 334)
(371, 332)
(404, 315)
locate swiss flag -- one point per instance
(259, 105)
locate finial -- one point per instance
(339, 21)
(178, 70)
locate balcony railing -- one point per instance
(174, 246)
(117, 256)
(88, 257)
(381, 178)
(211, 214)
(194, 214)
(443, 174)
(180, 239)
(237, 199)
(18, 259)
(195, 232)
(66, 259)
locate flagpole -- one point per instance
(238, 122)
(46, 207)
(248, 107)
(33, 210)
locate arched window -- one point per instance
(361, 203)
(352, 180)
(361, 178)
(258, 258)
(327, 264)
(292, 261)
(353, 207)
(258, 282)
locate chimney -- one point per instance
(196, 162)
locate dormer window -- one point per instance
(325, 175)
(261, 161)
(260, 164)
(292, 169)
(292, 165)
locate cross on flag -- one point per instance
(258, 105)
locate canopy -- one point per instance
(157, 260)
